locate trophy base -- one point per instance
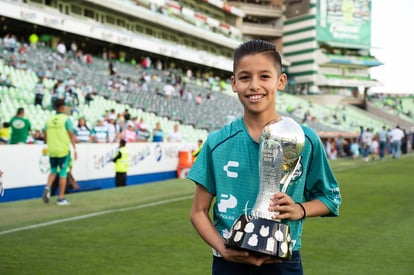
(261, 236)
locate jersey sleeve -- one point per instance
(69, 124)
(201, 171)
(321, 183)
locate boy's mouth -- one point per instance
(254, 98)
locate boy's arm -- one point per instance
(204, 226)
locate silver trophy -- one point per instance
(281, 144)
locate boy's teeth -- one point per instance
(255, 97)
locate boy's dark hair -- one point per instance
(59, 103)
(255, 47)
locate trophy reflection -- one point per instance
(281, 144)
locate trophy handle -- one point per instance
(286, 181)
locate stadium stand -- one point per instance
(146, 100)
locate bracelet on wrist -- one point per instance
(304, 210)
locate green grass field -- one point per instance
(145, 229)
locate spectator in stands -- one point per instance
(129, 134)
(143, 134)
(157, 133)
(396, 136)
(20, 127)
(188, 95)
(36, 138)
(87, 92)
(58, 136)
(231, 154)
(82, 131)
(100, 132)
(146, 62)
(111, 68)
(113, 128)
(174, 135)
(199, 99)
(10, 42)
(5, 80)
(39, 93)
(61, 49)
(168, 90)
(5, 133)
(121, 161)
(73, 49)
(126, 115)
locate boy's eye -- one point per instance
(244, 77)
(265, 76)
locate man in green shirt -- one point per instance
(20, 127)
(58, 136)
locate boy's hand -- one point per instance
(287, 208)
(245, 257)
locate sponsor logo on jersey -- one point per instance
(229, 167)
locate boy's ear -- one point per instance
(282, 82)
(233, 83)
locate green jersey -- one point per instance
(20, 128)
(228, 167)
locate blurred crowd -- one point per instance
(110, 128)
(369, 145)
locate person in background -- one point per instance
(121, 161)
(20, 127)
(157, 133)
(71, 184)
(36, 138)
(197, 151)
(228, 166)
(143, 134)
(113, 128)
(82, 131)
(383, 139)
(100, 132)
(5, 133)
(396, 136)
(39, 93)
(129, 134)
(59, 136)
(174, 136)
(354, 148)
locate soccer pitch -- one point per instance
(145, 229)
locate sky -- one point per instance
(392, 43)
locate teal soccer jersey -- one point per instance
(228, 167)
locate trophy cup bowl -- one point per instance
(281, 143)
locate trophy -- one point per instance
(281, 144)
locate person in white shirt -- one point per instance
(396, 136)
(175, 135)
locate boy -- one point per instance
(227, 168)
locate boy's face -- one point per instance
(256, 81)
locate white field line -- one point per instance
(94, 214)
